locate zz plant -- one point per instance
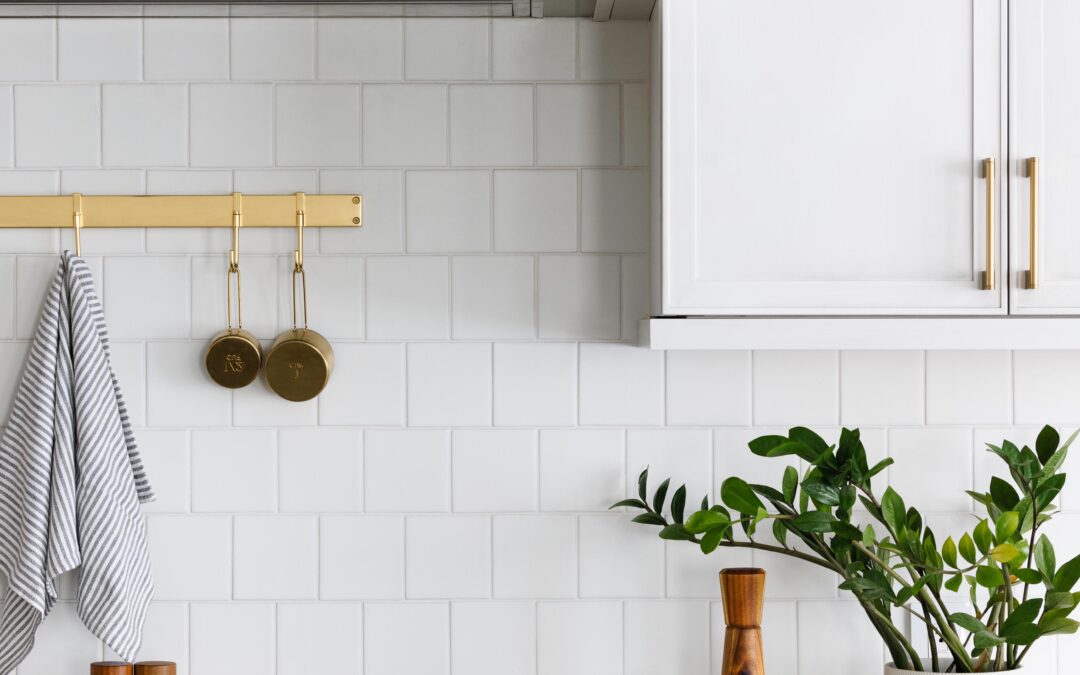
(894, 560)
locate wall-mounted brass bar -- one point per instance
(180, 211)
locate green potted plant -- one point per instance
(895, 560)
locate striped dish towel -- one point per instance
(71, 481)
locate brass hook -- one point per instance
(76, 221)
(234, 265)
(298, 254)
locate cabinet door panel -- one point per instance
(825, 157)
(1045, 123)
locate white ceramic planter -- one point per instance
(890, 669)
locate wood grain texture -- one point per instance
(743, 593)
(110, 668)
(155, 668)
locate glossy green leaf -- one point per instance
(822, 493)
(678, 504)
(711, 539)
(1025, 612)
(814, 521)
(702, 521)
(982, 536)
(650, 519)
(642, 485)
(968, 622)
(790, 484)
(869, 537)
(661, 496)
(989, 577)
(634, 503)
(967, 548)
(1028, 575)
(737, 494)
(676, 532)
(1007, 524)
(1004, 553)
(1057, 625)
(879, 467)
(954, 582)
(1045, 560)
(893, 510)
(1067, 575)
(1003, 494)
(1047, 443)
(948, 552)
(763, 445)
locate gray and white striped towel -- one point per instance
(71, 481)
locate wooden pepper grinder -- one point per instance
(743, 592)
(155, 668)
(110, 668)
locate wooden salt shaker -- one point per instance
(110, 668)
(155, 668)
(743, 592)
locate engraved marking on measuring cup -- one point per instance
(297, 367)
(234, 363)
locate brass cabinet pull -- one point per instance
(1033, 222)
(989, 170)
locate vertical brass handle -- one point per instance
(1033, 222)
(989, 170)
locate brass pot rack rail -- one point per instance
(106, 211)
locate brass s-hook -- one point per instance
(76, 220)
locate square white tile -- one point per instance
(683, 455)
(319, 638)
(491, 125)
(536, 211)
(667, 637)
(534, 50)
(493, 297)
(535, 556)
(321, 470)
(796, 387)
(949, 451)
(165, 632)
(383, 198)
(578, 124)
(404, 125)
(708, 387)
(579, 297)
(186, 49)
(860, 652)
(144, 124)
(255, 404)
(968, 387)
(360, 49)
(7, 121)
(446, 49)
(1041, 387)
(866, 376)
(335, 292)
(393, 631)
(276, 558)
(232, 638)
(231, 125)
(449, 384)
(178, 390)
(613, 50)
(493, 638)
(494, 470)
(448, 211)
(614, 211)
(317, 124)
(579, 638)
(408, 298)
(621, 384)
(100, 49)
(233, 470)
(635, 110)
(581, 469)
(692, 574)
(406, 470)
(361, 557)
(463, 567)
(259, 283)
(166, 456)
(272, 49)
(58, 125)
(619, 558)
(157, 306)
(27, 49)
(367, 387)
(191, 557)
(536, 384)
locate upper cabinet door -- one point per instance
(827, 157)
(1044, 125)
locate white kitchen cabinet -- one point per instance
(827, 157)
(1044, 124)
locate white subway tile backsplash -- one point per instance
(272, 49)
(360, 49)
(178, 390)
(320, 470)
(191, 557)
(708, 387)
(63, 644)
(255, 404)
(448, 211)
(968, 387)
(614, 211)
(335, 289)
(382, 204)
(186, 49)
(493, 638)
(449, 384)
(100, 49)
(692, 574)
(276, 558)
(270, 181)
(579, 297)
(27, 50)
(165, 633)
(665, 637)
(536, 384)
(7, 158)
(317, 124)
(12, 358)
(619, 559)
(155, 307)
(791, 578)
(319, 638)
(865, 375)
(579, 638)
(404, 125)
(493, 297)
(635, 294)
(446, 49)
(614, 50)
(533, 50)
(1042, 390)
(361, 557)
(58, 125)
(406, 470)
(167, 457)
(621, 384)
(536, 211)
(144, 124)
(259, 294)
(535, 556)
(581, 469)
(796, 387)
(948, 450)
(33, 274)
(478, 455)
(859, 652)
(233, 470)
(462, 568)
(393, 632)
(367, 386)
(231, 125)
(491, 125)
(635, 110)
(232, 638)
(683, 455)
(7, 300)
(408, 297)
(578, 124)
